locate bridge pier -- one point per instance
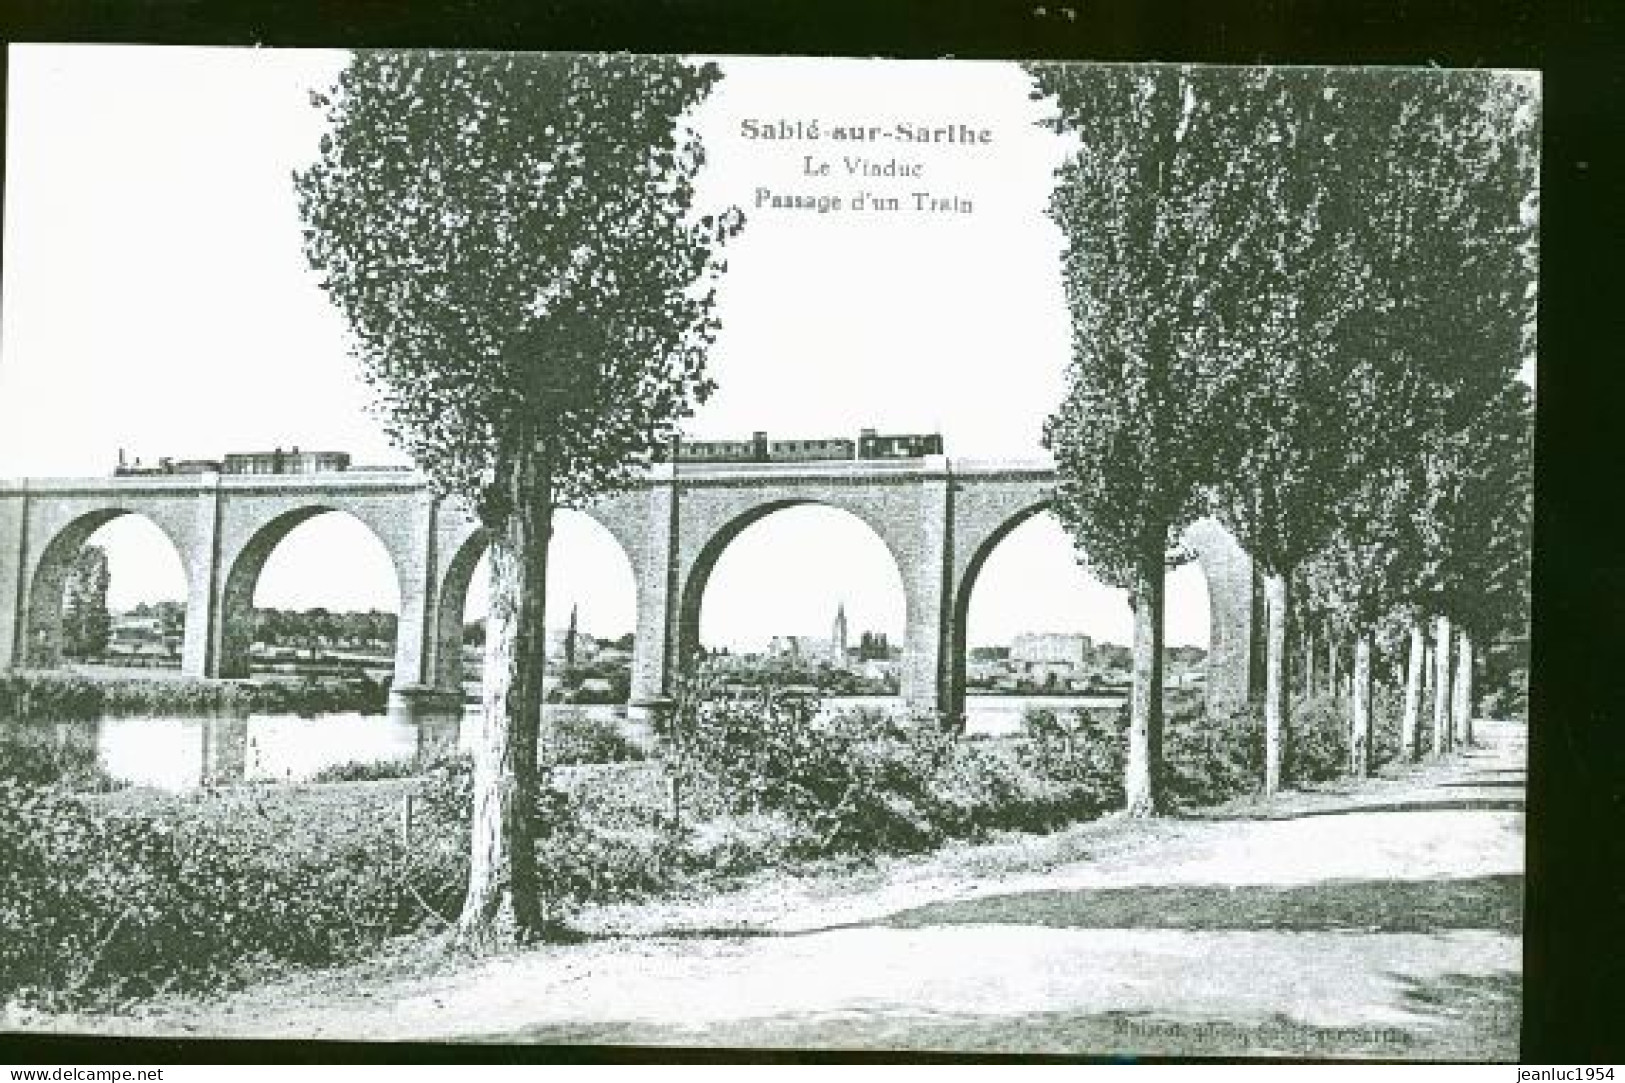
(202, 645)
(655, 576)
(416, 636)
(926, 565)
(13, 561)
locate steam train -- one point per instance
(248, 462)
(759, 449)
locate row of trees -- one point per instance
(310, 629)
(1301, 301)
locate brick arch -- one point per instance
(696, 575)
(457, 574)
(976, 556)
(1226, 572)
(42, 634)
(242, 576)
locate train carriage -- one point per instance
(759, 449)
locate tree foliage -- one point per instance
(1147, 208)
(1301, 301)
(87, 626)
(488, 220)
(512, 241)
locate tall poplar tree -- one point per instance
(512, 240)
(87, 626)
(1147, 208)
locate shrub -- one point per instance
(869, 782)
(365, 771)
(1086, 749)
(580, 737)
(1387, 708)
(588, 850)
(97, 904)
(729, 846)
(1205, 759)
(858, 781)
(1212, 758)
(583, 858)
(990, 786)
(1509, 700)
(1318, 741)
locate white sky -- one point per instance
(156, 300)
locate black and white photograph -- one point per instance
(766, 552)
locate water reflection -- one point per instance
(50, 751)
(184, 753)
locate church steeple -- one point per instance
(837, 638)
(570, 641)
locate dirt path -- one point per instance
(1378, 919)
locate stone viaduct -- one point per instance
(939, 518)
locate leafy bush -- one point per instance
(588, 850)
(98, 904)
(1318, 746)
(858, 781)
(1318, 742)
(1086, 748)
(728, 846)
(1510, 699)
(1205, 759)
(867, 782)
(580, 737)
(1212, 758)
(1387, 707)
(101, 901)
(585, 858)
(365, 771)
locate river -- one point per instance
(178, 754)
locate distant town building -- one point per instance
(874, 646)
(1051, 649)
(834, 651)
(130, 630)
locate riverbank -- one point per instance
(51, 695)
(1379, 918)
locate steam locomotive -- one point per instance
(249, 462)
(759, 449)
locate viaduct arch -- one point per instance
(939, 518)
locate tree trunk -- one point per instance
(1142, 775)
(1409, 746)
(1464, 688)
(1277, 596)
(503, 885)
(1309, 663)
(1360, 737)
(1333, 677)
(1441, 686)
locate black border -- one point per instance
(1575, 956)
